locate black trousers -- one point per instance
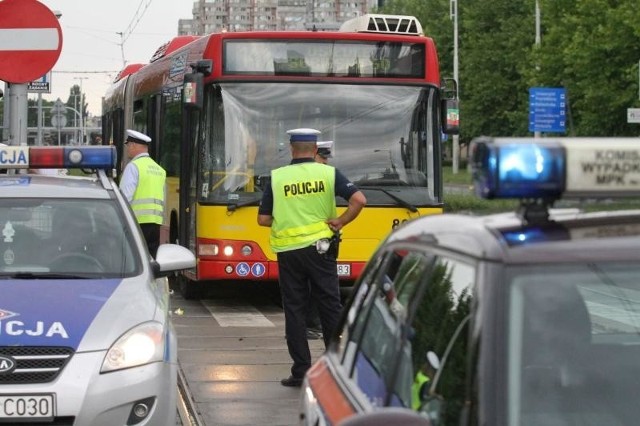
(151, 232)
(305, 274)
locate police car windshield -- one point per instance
(573, 331)
(377, 139)
(72, 238)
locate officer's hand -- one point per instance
(334, 224)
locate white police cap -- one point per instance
(324, 144)
(324, 148)
(135, 136)
(303, 135)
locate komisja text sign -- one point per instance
(30, 40)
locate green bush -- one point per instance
(469, 203)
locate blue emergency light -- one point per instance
(552, 168)
(518, 169)
(60, 157)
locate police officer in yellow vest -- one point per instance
(300, 207)
(143, 184)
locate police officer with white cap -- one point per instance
(143, 184)
(314, 329)
(299, 205)
(324, 151)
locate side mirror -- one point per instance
(450, 116)
(449, 107)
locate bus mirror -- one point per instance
(450, 116)
(192, 90)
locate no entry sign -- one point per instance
(30, 40)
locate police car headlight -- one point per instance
(140, 345)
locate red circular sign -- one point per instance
(30, 40)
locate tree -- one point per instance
(76, 101)
(589, 47)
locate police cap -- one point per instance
(303, 135)
(137, 137)
(324, 148)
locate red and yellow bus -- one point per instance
(218, 107)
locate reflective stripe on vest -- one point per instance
(148, 200)
(303, 199)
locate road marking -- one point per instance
(236, 313)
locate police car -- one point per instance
(85, 331)
(523, 318)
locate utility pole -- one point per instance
(455, 143)
(5, 115)
(81, 110)
(538, 43)
(121, 34)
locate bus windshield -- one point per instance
(380, 133)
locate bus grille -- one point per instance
(34, 364)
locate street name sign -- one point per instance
(41, 85)
(547, 109)
(30, 40)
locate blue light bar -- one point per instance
(90, 157)
(550, 168)
(519, 169)
(83, 157)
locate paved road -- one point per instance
(232, 352)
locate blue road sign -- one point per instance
(547, 109)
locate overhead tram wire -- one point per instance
(137, 16)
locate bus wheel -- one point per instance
(189, 289)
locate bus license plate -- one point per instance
(344, 269)
(27, 407)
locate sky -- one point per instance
(92, 48)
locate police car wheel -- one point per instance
(77, 262)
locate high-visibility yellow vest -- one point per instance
(418, 382)
(148, 200)
(303, 200)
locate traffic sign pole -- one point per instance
(18, 115)
(30, 45)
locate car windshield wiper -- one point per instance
(43, 275)
(398, 200)
(231, 207)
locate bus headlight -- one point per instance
(246, 250)
(228, 250)
(140, 345)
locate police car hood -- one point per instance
(84, 314)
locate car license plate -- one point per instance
(344, 269)
(27, 407)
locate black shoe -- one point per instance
(291, 381)
(314, 334)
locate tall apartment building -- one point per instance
(260, 15)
